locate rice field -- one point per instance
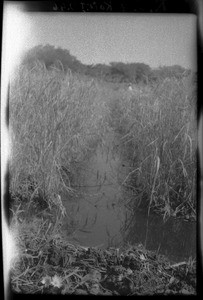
(56, 122)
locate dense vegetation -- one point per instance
(60, 111)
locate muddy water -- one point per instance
(98, 216)
(98, 211)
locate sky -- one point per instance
(153, 39)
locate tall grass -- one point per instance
(159, 138)
(56, 120)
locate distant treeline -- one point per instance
(116, 72)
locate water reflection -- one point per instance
(174, 238)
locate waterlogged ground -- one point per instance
(98, 214)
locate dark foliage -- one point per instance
(115, 72)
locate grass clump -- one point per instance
(55, 121)
(159, 142)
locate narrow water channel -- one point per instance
(99, 216)
(98, 212)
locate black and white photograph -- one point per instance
(99, 142)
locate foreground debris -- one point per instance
(48, 264)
